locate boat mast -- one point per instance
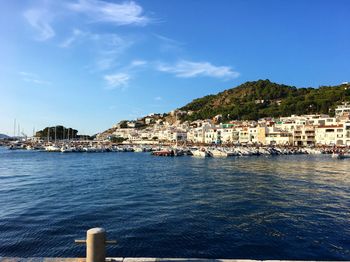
(14, 128)
(48, 135)
(55, 133)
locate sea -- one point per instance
(256, 207)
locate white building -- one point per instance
(342, 109)
(329, 135)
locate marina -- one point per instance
(174, 131)
(176, 150)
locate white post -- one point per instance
(96, 245)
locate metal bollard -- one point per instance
(95, 244)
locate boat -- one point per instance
(340, 155)
(67, 149)
(200, 153)
(218, 153)
(52, 148)
(178, 152)
(138, 149)
(12, 147)
(163, 153)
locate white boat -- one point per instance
(53, 148)
(218, 153)
(200, 153)
(341, 155)
(90, 149)
(67, 149)
(138, 149)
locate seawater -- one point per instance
(281, 207)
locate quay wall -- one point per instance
(137, 259)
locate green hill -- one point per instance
(61, 133)
(263, 98)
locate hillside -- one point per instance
(3, 136)
(61, 132)
(263, 98)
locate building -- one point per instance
(329, 135)
(304, 136)
(342, 109)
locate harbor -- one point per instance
(174, 149)
(288, 207)
(174, 131)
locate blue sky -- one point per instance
(89, 63)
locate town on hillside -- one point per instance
(294, 130)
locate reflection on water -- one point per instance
(285, 207)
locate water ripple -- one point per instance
(286, 207)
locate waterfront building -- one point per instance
(212, 136)
(229, 134)
(303, 130)
(270, 135)
(329, 135)
(196, 133)
(244, 135)
(304, 136)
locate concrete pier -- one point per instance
(138, 259)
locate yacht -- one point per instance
(53, 148)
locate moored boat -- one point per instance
(52, 148)
(218, 153)
(200, 153)
(163, 153)
(340, 155)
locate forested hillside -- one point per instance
(263, 98)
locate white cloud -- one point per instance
(105, 48)
(33, 78)
(158, 98)
(136, 63)
(188, 69)
(119, 80)
(109, 48)
(40, 20)
(76, 34)
(126, 13)
(168, 44)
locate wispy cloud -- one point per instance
(76, 34)
(104, 48)
(118, 80)
(136, 63)
(40, 20)
(158, 98)
(188, 69)
(126, 13)
(109, 48)
(168, 44)
(33, 78)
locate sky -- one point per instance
(88, 64)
